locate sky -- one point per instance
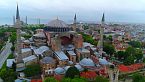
(131, 11)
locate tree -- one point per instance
(108, 48)
(32, 70)
(79, 80)
(72, 72)
(14, 66)
(138, 78)
(120, 54)
(74, 80)
(8, 75)
(129, 60)
(110, 38)
(13, 48)
(66, 80)
(138, 54)
(50, 79)
(27, 36)
(101, 79)
(135, 44)
(132, 54)
(13, 38)
(130, 51)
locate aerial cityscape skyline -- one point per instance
(72, 41)
(86, 10)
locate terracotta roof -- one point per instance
(130, 68)
(58, 77)
(36, 80)
(88, 74)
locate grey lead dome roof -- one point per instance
(87, 62)
(57, 23)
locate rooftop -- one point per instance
(30, 58)
(61, 55)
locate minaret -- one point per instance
(26, 20)
(74, 23)
(18, 27)
(100, 42)
(39, 21)
(102, 32)
(113, 74)
(14, 20)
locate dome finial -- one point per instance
(57, 18)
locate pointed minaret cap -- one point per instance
(17, 13)
(75, 17)
(103, 18)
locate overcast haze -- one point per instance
(132, 11)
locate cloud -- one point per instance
(116, 10)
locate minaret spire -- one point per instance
(103, 18)
(74, 23)
(17, 13)
(75, 18)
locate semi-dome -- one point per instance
(103, 61)
(57, 26)
(66, 68)
(79, 67)
(87, 62)
(57, 23)
(59, 70)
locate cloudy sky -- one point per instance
(132, 11)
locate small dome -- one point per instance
(57, 23)
(87, 62)
(103, 61)
(26, 41)
(39, 35)
(31, 39)
(48, 60)
(66, 68)
(22, 38)
(79, 67)
(59, 70)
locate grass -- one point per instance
(11, 56)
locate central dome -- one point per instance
(57, 23)
(57, 26)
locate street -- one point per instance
(5, 53)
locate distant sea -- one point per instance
(9, 21)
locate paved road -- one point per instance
(5, 53)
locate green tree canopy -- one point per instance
(8, 75)
(50, 79)
(101, 79)
(72, 72)
(32, 70)
(109, 48)
(120, 54)
(132, 54)
(74, 80)
(135, 44)
(138, 78)
(129, 60)
(13, 38)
